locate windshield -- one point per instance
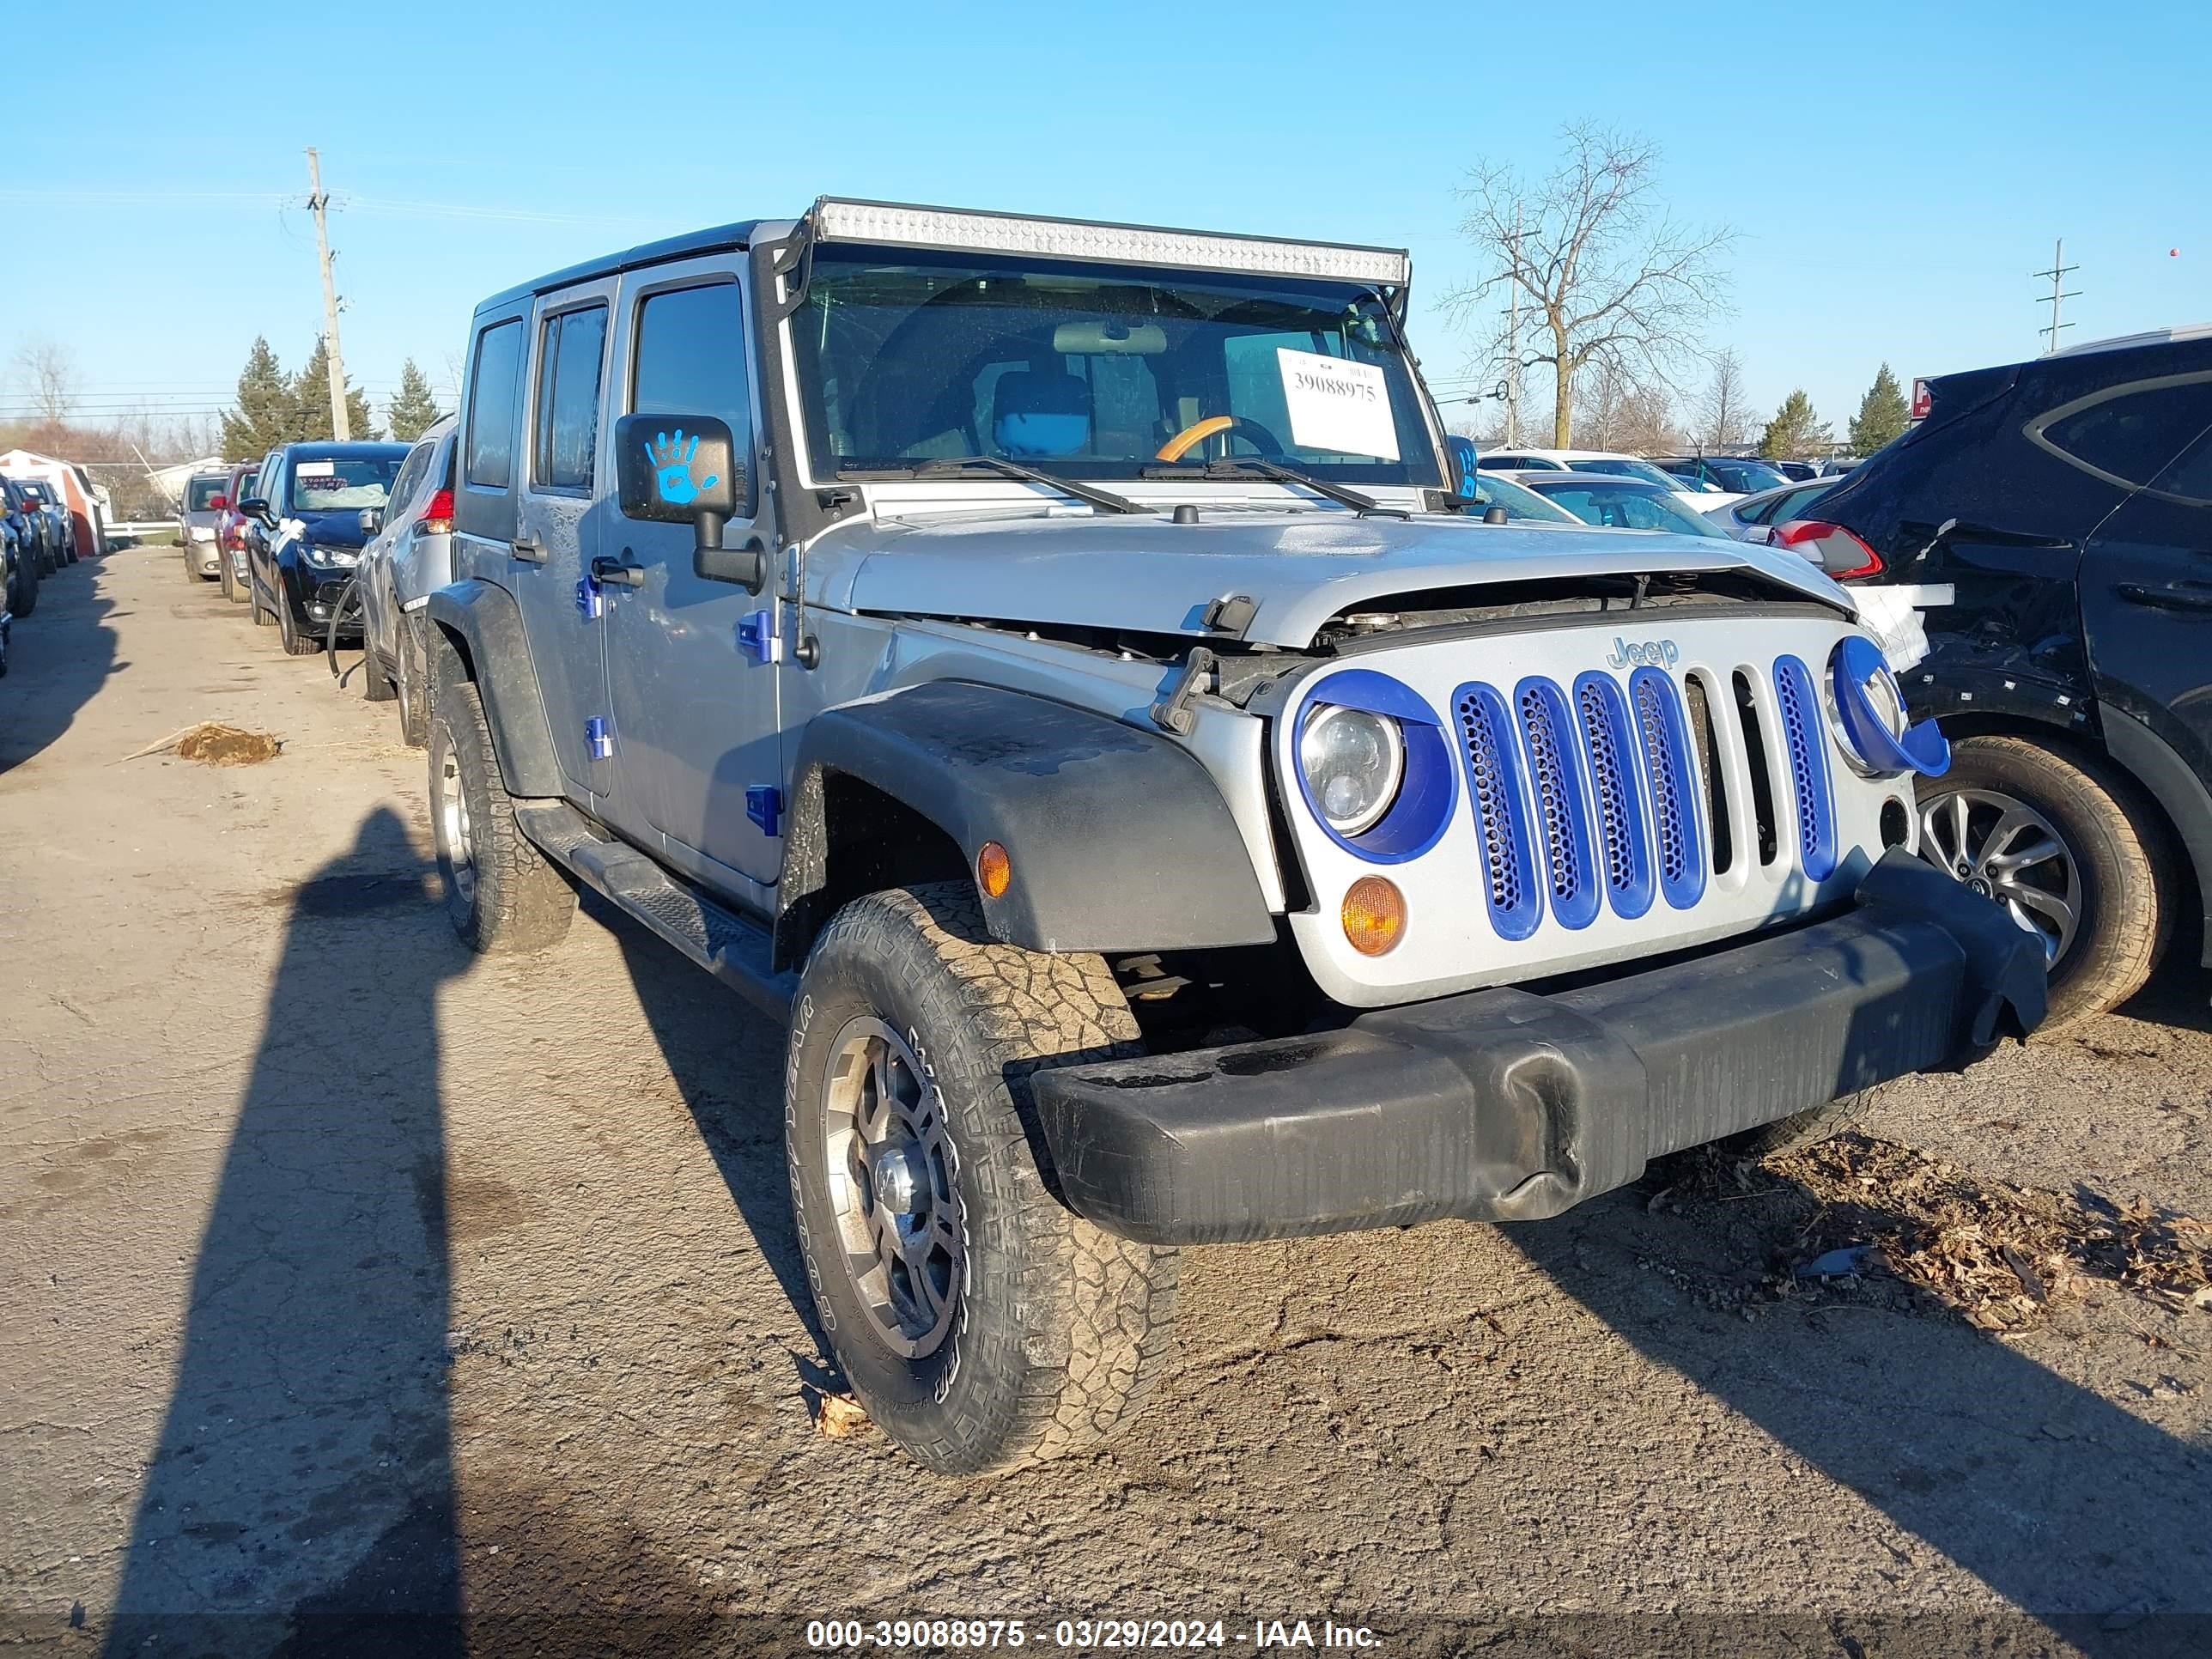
(1099, 371)
(1628, 469)
(1745, 477)
(344, 481)
(1518, 501)
(200, 491)
(1627, 506)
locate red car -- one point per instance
(230, 530)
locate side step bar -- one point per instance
(732, 947)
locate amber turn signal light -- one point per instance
(1374, 916)
(994, 871)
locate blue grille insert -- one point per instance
(1563, 808)
(1802, 732)
(1491, 752)
(1663, 738)
(1625, 836)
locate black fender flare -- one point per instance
(2180, 793)
(487, 624)
(1119, 839)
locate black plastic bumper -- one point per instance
(1504, 1105)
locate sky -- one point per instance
(1894, 173)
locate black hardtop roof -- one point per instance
(714, 240)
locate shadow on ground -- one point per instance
(2086, 1517)
(309, 1409)
(58, 658)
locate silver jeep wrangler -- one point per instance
(1047, 664)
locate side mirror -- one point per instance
(1463, 462)
(372, 520)
(675, 469)
(256, 508)
(684, 469)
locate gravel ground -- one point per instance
(348, 1277)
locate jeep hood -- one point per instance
(1147, 575)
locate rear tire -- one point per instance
(411, 685)
(501, 895)
(2105, 870)
(229, 581)
(1037, 1334)
(375, 683)
(25, 598)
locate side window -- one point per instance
(491, 405)
(2131, 432)
(2189, 478)
(410, 475)
(690, 359)
(568, 425)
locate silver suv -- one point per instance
(409, 559)
(1046, 664)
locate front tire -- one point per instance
(2071, 848)
(375, 683)
(983, 1323)
(26, 598)
(502, 896)
(296, 643)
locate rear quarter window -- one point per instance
(2129, 433)
(491, 406)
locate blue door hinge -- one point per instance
(599, 742)
(764, 806)
(591, 599)
(758, 636)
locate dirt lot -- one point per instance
(346, 1276)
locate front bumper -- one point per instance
(313, 592)
(1509, 1106)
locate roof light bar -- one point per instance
(890, 223)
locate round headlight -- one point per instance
(1866, 709)
(1351, 762)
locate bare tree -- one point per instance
(1724, 415)
(47, 369)
(1613, 411)
(1602, 272)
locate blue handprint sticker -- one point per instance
(671, 460)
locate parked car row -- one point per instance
(38, 537)
(285, 537)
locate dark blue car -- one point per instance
(322, 504)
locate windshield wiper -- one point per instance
(949, 465)
(1245, 467)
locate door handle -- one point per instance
(2173, 596)
(605, 570)
(528, 549)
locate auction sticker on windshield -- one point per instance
(317, 469)
(1338, 405)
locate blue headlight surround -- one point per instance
(1428, 790)
(1852, 666)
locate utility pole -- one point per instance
(318, 201)
(1513, 343)
(2058, 273)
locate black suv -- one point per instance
(2066, 505)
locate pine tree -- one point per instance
(267, 414)
(312, 393)
(1883, 414)
(1795, 431)
(413, 409)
